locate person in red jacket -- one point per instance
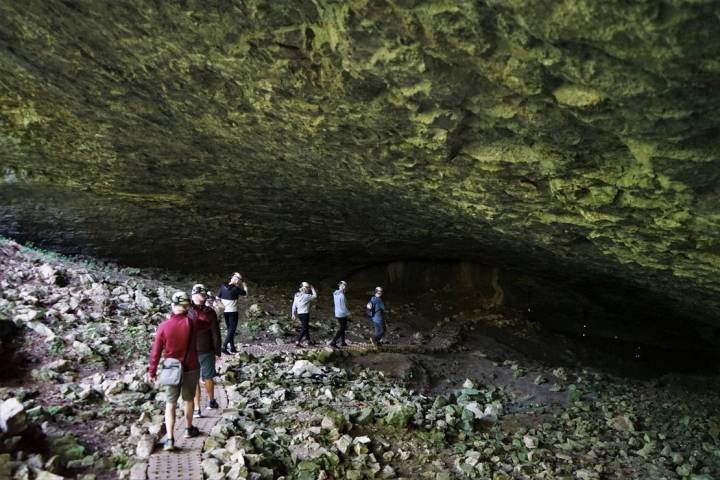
(176, 338)
(208, 344)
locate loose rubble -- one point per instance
(80, 407)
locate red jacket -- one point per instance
(171, 340)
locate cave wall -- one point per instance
(570, 138)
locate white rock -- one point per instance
(142, 301)
(25, 317)
(82, 349)
(12, 417)
(530, 442)
(305, 368)
(43, 330)
(47, 272)
(145, 446)
(45, 475)
(343, 443)
(474, 407)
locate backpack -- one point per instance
(370, 308)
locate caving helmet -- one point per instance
(180, 298)
(199, 288)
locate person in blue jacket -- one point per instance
(376, 311)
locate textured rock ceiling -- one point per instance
(574, 137)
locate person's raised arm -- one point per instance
(245, 288)
(314, 293)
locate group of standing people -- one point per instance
(307, 294)
(191, 335)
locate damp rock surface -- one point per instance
(578, 138)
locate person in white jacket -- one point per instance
(301, 310)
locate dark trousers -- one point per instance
(340, 335)
(231, 322)
(304, 327)
(379, 325)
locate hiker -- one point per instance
(376, 311)
(342, 314)
(208, 345)
(176, 339)
(301, 309)
(228, 295)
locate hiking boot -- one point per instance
(310, 343)
(197, 413)
(225, 351)
(344, 344)
(333, 345)
(169, 445)
(233, 349)
(191, 432)
(213, 404)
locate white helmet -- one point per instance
(180, 298)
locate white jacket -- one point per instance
(301, 303)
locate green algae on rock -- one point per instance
(552, 136)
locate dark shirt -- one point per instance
(208, 329)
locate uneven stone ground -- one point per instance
(483, 396)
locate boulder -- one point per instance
(399, 415)
(142, 301)
(305, 368)
(12, 417)
(145, 446)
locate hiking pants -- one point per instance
(304, 327)
(231, 322)
(379, 324)
(340, 335)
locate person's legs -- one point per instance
(304, 327)
(226, 340)
(232, 328)
(197, 399)
(170, 419)
(333, 343)
(379, 330)
(207, 374)
(343, 327)
(188, 390)
(189, 405)
(340, 334)
(210, 389)
(172, 392)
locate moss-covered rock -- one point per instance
(553, 136)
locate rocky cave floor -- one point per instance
(477, 394)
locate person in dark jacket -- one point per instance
(208, 344)
(176, 338)
(376, 309)
(228, 295)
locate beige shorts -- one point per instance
(186, 388)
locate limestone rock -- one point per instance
(305, 368)
(12, 417)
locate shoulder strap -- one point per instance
(187, 349)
